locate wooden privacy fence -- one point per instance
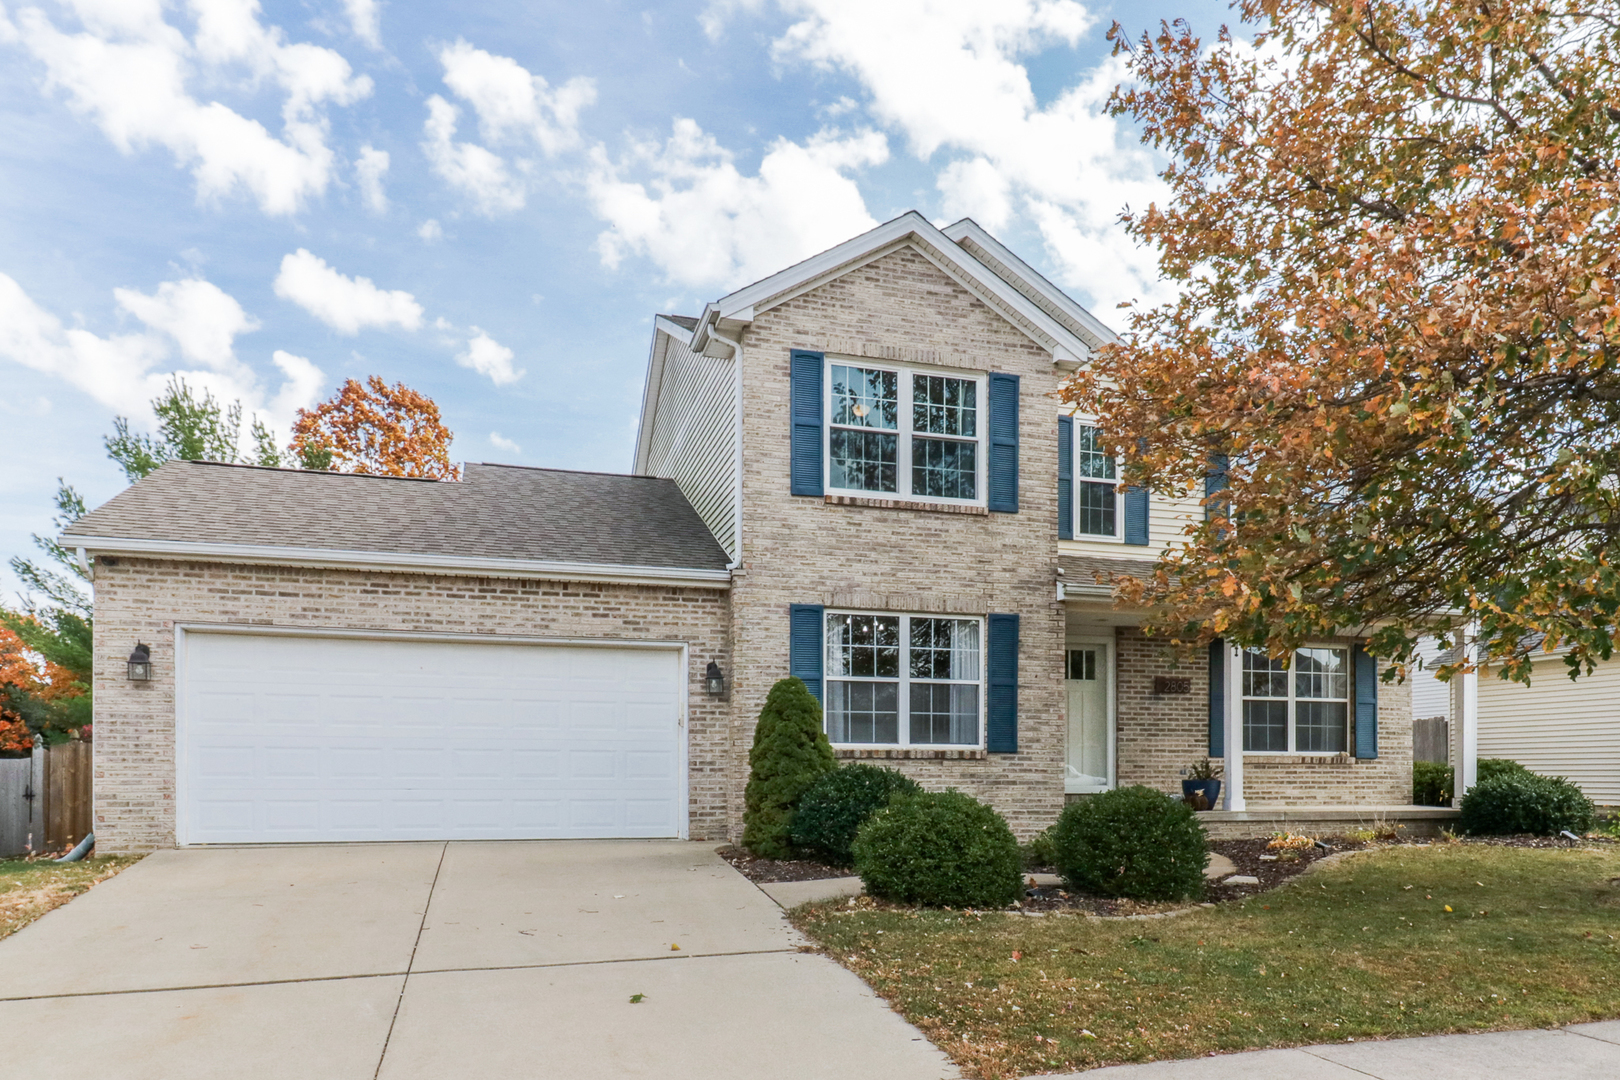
(45, 798)
(1431, 739)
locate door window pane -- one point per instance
(1082, 664)
(863, 712)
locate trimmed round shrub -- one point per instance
(1511, 803)
(1491, 767)
(838, 804)
(790, 753)
(943, 849)
(1133, 842)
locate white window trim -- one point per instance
(903, 700)
(904, 432)
(1349, 702)
(1076, 480)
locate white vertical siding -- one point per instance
(694, 436)
(1430, 696)
(1557, 727)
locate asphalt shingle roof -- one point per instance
(495, 512)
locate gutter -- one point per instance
(335, 558)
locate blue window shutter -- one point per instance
(806, 638)
(1065, 478)
(1003, 470)
(1215, 480)
(1365, 666)
(1217, 698)
(805, 468)
(1136, 515)
(1001, 715)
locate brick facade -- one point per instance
(1158, 736)
(144, 599)
(866, 555)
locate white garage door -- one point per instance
(297, 739)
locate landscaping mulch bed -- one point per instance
(765, 871)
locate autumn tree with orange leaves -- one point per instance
(376, 428)
(1394, 230)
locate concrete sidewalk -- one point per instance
(1577, 1052)
(417, 961)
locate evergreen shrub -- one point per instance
(1512, 803)
(838, 804)
(943, 849)
(790, 753)
(1133, 842)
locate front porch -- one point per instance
(1411, 821)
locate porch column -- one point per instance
(1468, 717)
(1234, 729)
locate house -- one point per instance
(854, 471)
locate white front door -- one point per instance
(1088, 675)
(287, 738)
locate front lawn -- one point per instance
(30, 889)
(1363, 947)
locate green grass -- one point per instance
(1360, 948)
(30, 889)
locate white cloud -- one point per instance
(201, 317)
(704, 223)
(960, 87)
(370, 169)
(124, 372)
(511, 102)
(129, 71)
(363, 18)
(501, 442)
(489, 357)
(430, 231)
(348, 305)
(468, 167)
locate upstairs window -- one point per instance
(909, 434)
(1096, 507)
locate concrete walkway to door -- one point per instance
(406, 961)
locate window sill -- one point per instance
(909, 754)
(906, 504)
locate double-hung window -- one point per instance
(1299, 704)
(903, 680)
(1096, 503)
(909, 434)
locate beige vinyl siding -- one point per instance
(1167, 521)
(694, 436)
(1557, 727)
(1430, 696)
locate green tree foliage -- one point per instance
(940, 848)
(1132, 841)
(190, 428)
(838, 804)
(790, 753)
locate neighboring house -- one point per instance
(882, 496)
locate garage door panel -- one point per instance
(310, 739)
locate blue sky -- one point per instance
(489, 200)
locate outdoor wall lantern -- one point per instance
(140, 663)
(714, 680)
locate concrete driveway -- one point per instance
(404, 961)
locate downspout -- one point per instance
(736, 445)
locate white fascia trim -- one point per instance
(744, 304)
(967, 228)
(390, 561)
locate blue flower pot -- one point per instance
(1210, 788)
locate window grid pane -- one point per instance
(944, 713)
(863, 460)
(1320, 727)
(944, 469)
(1096, 509)
(929, 696)
(865, 646)
(863, 712)
(945, 649)
(865, 397)
(1265, 725)
(1263, 676)
(1090, 460)
(1322, 674)
(944, 406)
